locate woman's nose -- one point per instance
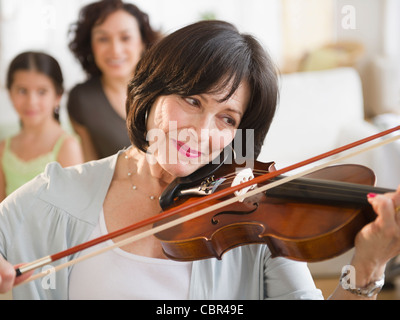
(202, 127)
(116, 47)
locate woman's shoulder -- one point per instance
(79, 176)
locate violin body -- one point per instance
(310, 219)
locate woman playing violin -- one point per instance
(189, 96)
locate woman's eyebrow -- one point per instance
(206, 100)
(236, 111)
(103, 31)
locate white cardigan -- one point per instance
(60, 208)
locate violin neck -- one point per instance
(324, 191)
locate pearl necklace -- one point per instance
(134, 187)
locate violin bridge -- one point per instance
(242, 176)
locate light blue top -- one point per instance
(60, 208)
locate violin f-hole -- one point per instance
(215, 221)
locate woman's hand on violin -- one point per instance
(8, 277)
(379, 241)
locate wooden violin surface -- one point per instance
(309, 219)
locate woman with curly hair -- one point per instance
(108, 39)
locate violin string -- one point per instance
(213, 207)
(332, 189)
(315, 189)
(318, 167)
(231, 176)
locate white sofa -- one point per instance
(314, 111)
(320, 111)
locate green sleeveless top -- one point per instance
(17, 171)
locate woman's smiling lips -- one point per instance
(185, 150)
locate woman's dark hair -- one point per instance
(39, 62)
(94, 14)
(204, 57)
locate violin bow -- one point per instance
(187, 206)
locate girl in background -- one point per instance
(35, 86)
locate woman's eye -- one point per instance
(192, 101)
(230, 121)
(101, 39)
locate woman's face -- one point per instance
(185, 133)
(34, 97)
(117, 45)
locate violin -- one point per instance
(310, 216)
